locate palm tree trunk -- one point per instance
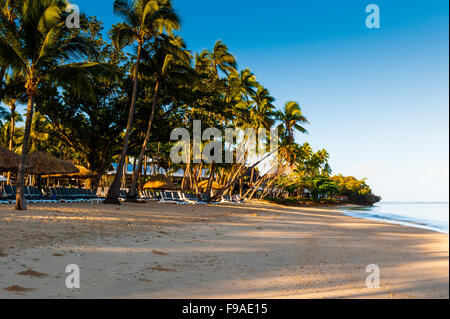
(114, 190)
(11, 136)
(20, 197)
(210, 180)
(132, 195)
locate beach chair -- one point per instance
(167, 198)
(3, 196)
(10, 192)
(195, 199)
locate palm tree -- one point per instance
(144, 20)
(40, 132)
(291, 119)
(41, 48)
(220, 58)
(264, 109)
(171, 60)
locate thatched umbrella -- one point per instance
(9, 161)
(83, 173)
(45, 164)
(159, 182)
(214, 185)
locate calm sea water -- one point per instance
(431, 216)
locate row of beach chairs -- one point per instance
(177, 197)
(51, 195)
(79, 195)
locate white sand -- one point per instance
(222, 251)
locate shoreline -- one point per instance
(253, 250)
(385, 218)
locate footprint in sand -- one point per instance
(16, 288)
(145, 280)
(162, 269)
(157, 252)
(32, 273)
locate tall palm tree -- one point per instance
(41, 48)
(220, 58)
(292, 119)
(170, 60)
(264, 108)
(144, 20)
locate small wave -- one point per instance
(365, 213)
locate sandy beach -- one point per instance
(252, 250)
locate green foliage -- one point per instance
(82, 86)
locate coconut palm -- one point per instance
(144, 20)
(171, 61)
(264, 108)
(292, 119)
(40, 132)
(219, 58)
(42, 49)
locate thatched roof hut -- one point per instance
(159, 182)
(9, 161)
(83, 173)
(45, 164)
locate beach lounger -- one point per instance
(166, 197)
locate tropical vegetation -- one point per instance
(96, 98)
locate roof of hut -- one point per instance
(45, 164)
(83, 173)
(9, 161)
(159, 181)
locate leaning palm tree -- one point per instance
(41, 48)
(171, 61)
(144, 20)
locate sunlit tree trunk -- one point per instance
(114, 190)
(132, 195)
(20, 197)
(11, 135)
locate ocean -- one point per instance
(426, 215)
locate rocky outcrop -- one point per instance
(366, 200)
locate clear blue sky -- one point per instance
(377, 100)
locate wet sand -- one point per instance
(220, 251)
